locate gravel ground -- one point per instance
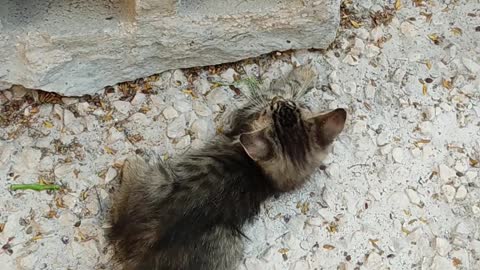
(401, 189)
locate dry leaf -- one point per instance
(328, 247)
(435, 38)
(2, 227)
(189, 92)
(473, 162)
(428, 16)
(424, 89)
(398, 4)
(456, 262)
(109, 150)
(48, 124)
(405, 231)
(283, 250)
(332, 227)
(447, 84)
(456, 31)
(355, 24)
(428, 64)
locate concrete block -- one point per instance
(78, 47)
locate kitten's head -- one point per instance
(288, 141)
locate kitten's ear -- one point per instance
(256, 144)
(328, 126)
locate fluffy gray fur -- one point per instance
(189, 213)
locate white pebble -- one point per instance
(229, 75)
(122, 106)
(413, 196)
(408, 29)
(351, 60)
(201, 109)
(183, 106)
(446, 173)
(139, 99)
(426, 127)
(110, 175)
(397, 154)
(442, 246)
(359, 127)
(461, 193)
(371, 50)
(471, 65)
(179, 77)
(449, 192)
(441, 263)
(183, 142)
(170, 113)
(383, 139)
(201, 129)
(176, 128)
(369, 91)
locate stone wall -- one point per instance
(78, 47)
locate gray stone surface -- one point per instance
(79, 47)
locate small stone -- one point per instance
(63, 170)
(461, 193)
(218, 96)
(369, 91)
(471, 65)
(350, 87)
(176, 128)
(426, 127)
(471, 175)
(446, 173)
(183, 142)
(397, 154)
(71, 122)
(179, 77)
(201, 109)
(442, 246)
(376, 33)
(83, 108)
(359, 127)
(460, 166)
(358, 47)
(429, 113)
(383, 139)
(416, 152)
(374, 261)
(200, 129)
(413, 196)
(110, 175)
(336, 89)
(65, 240)
(183, 106)
(122, 106)
(27, 161)
(139, 99)
(351, 60)
(114, 135)
(170, 113)
(476, 210)
(371, 50)
(449, 192)
(229, 75)
(441, 263)
(202, 85)
(408, 29)
(300, 265)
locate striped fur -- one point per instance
(188, 214)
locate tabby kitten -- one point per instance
(188, 214)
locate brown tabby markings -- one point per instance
(189, 213)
